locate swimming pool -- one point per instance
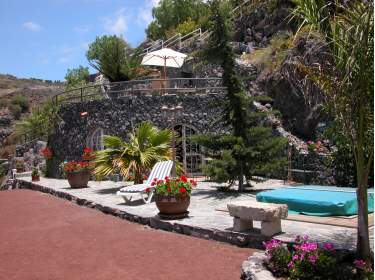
(317, 200)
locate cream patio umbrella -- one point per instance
(166, 58)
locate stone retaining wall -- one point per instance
(120, 116)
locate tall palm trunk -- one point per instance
(363, 242)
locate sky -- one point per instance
(43, 38)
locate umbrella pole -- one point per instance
(165, 74)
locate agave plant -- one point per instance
(146, 146)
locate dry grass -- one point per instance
(272, 56)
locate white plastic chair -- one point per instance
(159, 171)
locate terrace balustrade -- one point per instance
(176, 86)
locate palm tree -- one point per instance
(146, 146)
(348, 84)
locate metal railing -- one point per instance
(115, 90)
(178, 41)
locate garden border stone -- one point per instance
(252, 240)
(254, 269)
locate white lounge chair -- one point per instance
(159, 171)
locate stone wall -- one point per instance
(118, 117)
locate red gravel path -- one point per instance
(43, 237)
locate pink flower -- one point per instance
(313, 259)
(359, 263)
(295, 257)
(328, 246)
(290, 264)
(308, 247)
(272, 244)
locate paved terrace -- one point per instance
(206, 219)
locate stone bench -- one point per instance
(269, 214)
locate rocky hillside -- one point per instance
(275, 51)
(17, 98)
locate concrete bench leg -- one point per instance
(270, 228)
(242, 225)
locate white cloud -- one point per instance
(67, 53)
(144, 16)
(32, 26)
(63, 59)
(81, 29)
(116, 25)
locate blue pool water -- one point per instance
(317, 200)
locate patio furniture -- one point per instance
(159, 171)
(269, 214)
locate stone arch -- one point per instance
(94, 139)
(188, 153)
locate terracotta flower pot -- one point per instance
(172, 205)
(35, 178)
(78, 179)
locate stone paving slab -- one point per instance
(204, 220)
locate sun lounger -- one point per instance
(159, 171)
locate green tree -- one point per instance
(77, 77)
(40, 123)
(250, 149)
(348, 85)
(171, 13)
(146, 146)
(115, 59)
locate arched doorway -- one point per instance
(187, 152)
(94, 140)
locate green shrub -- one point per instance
(3, 103)
(16, 110)
(22, 102)
(272, 56)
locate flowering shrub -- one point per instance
(278, 257)
(309, 260)
(77, 166)
(363, 269)
(306, 260)
(88, 154)
(172, 187)
(314, 146)
(47, 153)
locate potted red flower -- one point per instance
(78, 173)
(47, 153)
(88, 154)
(35, 175)
(172, 196)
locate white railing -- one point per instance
(179, 40)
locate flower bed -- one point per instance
(309, 260)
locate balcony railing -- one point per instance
(116, 90)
